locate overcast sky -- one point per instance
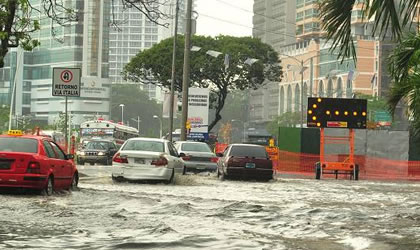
(227, 17)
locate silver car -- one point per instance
(143, 159)
(198, 156)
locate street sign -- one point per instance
(66, 82)
(382, 116)
(336, 113)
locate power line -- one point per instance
(255, 13)
(253, 28)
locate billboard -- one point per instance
(198, 113)
(336, 113)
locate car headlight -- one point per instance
(101, 153)
(82, 153)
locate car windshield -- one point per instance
(140, 145)
(97, 145)
(195, 147)
(248, 151)
(24, 145)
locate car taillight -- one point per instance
(33, 168)
(214, 159)
(186, 158)
(119, 159)
(161, 161)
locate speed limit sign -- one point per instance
(66, 82)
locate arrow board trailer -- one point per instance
(66, 82)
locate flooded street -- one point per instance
(200, 211)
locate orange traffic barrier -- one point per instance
(371, 168)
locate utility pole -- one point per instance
(171, 106)
(186, 75)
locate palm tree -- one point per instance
(387, 15)
(395, 16)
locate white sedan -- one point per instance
(146, 159)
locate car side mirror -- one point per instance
(70, 156)
(219, 154)
(182, 155)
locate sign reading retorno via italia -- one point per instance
(66, 82)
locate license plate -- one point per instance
(250, 165)
(201, 167)
(139, 161)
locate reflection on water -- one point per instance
(201, 212)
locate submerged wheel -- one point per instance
(184, 170)
(318, 170)
(221, 175)
(172, 179)
(49, 188)
(356, 173)
(74, 182)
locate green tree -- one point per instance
(208, 71)
(4, 118)
(288, 119)
(136, 104)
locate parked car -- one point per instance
(198, 156)
(245, 161)
(97, 151)
(35, 162)
(143, 159)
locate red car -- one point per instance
(35, 162)
(245, 161)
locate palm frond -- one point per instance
(404, 57)
(386, 15)
(335, 18)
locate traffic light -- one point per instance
(336, 113)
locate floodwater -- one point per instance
(201, 212)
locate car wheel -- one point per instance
(49, 188)
(184, 170)
(318, 170)
(172, 179)
(92, 163)
(74, 182)
(81, 162)
(356, 173)
(114, 179)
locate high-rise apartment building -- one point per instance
(79, 44)
(133, 32)
(274, 22)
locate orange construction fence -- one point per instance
(371, 168)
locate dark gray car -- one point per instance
(97, 151)
(198, 156)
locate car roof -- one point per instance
(192, 142)
(37, 137)
(147, 139)
(247, 145)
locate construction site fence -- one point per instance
(371, 168)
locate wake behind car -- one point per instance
(146, 159)
(35, 162)
(245, 161)
(198, 156)
(97, 151)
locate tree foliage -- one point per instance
(288, 119)
(208, 71)
(388, 16)
(136, 104)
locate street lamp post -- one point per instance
(160, 125)
(138, 122)
(122, 113)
